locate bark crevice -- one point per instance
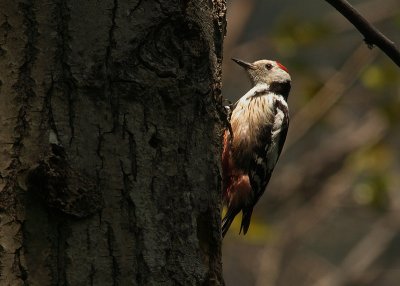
(64, 77)
(108, 62)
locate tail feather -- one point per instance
(227, 220)
(230, 216)
(246, 217)
(237, 194)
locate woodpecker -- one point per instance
(259, 122)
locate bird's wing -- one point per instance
(263, 164)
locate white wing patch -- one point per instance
(278, 121)
(273, 150)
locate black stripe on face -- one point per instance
(282, 88)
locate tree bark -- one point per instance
(110, 147)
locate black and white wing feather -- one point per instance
(266, 155)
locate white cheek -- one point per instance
(279, 75)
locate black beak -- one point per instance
(244, 64)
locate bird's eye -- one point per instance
(268, 66)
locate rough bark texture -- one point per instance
(109, 162)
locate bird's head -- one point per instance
(265, 71)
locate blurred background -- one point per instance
(331, 213)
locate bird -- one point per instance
(252, 144)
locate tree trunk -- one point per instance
(109, 140)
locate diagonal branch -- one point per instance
(372, 35)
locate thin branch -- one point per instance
(371, 34)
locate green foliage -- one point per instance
(380, 76)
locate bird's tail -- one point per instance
(228, 219)
(230, 216)
(246, 220)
